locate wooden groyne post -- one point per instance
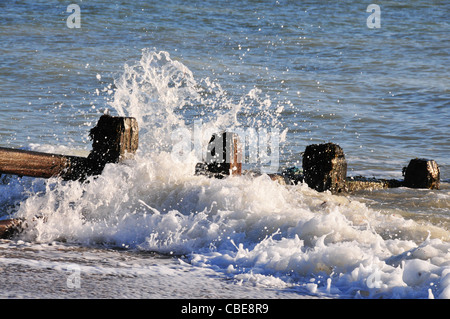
(422, 173)
(324, 168)
(223, 156)
(113, 139)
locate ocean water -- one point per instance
(148, 228)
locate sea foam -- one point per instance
(252, 229)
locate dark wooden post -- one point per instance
(325, 167)
(223, 157)
(422, 173)
(114, 139)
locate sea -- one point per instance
(370, 76)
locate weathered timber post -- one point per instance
(9, 227)
(223, 156)
(422, 173)
(325, 167)
(114, 139)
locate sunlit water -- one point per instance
(313, 72)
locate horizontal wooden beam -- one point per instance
(114, 139)
(324, 168)
(9, 227)
(359, 183)
(38, 164)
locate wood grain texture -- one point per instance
(113, 139)
(35, 164)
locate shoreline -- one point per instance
(31, 271)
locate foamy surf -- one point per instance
(247, 229)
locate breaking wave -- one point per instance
(250, 228)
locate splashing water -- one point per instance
(252, 229)
(152, 91)
(163, 96)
